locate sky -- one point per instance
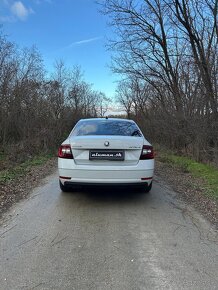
(71, 30)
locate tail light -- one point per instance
(147, 152)
(65, 152)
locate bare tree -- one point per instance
(37, 111)
(167, 53)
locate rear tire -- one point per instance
(63, 187)
(147, 189)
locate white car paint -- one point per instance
(82, 170)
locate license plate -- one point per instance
(113, 155)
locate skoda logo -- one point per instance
(106, 143)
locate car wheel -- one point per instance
(64, 188)
(147, 189)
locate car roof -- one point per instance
(113, 119)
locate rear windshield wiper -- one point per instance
(136, 133)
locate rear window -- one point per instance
(106, 127)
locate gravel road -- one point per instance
(106, 240)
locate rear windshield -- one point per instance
(106, 127)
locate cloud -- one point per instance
(20, 11)
(6, 19)
(84, 41)
(39, 2)
(6, 2)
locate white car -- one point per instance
(106, 151)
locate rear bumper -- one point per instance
(111, 185)
(142, 173)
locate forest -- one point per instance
(166, 55)
(37, 109)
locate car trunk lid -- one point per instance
(106, 146)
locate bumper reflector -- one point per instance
(64, 177)
(146, 178)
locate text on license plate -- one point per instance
(106, 155)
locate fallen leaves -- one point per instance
(189, 188)
(12, 191)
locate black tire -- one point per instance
(63, 187)
(147, 189)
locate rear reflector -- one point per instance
(64, 177)
(65, 152)
(146, 178)
(147, 152)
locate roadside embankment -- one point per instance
(195, 182)
(16, 181)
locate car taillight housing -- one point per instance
(64, 151)
(147, 152)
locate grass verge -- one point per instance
(207, 173)
(21, 169)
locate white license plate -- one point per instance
(115, 155)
